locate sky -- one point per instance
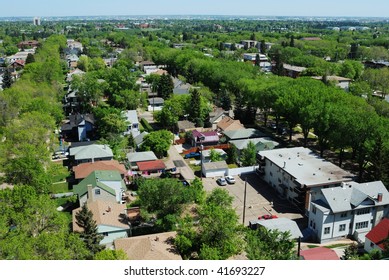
(49, 8)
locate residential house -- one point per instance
(28, 44)
(111, 220)
(319, 253)
(375, 239)
(19, 56)
(263, 62)
(134, 158)
(206, 138)
(90, 153)
(75, 45)
(72, 60)
(261, 144)
(83, 170)
(298, 173)
(151, 167)
(185, 126)
(228, 123)
(376, 64)
(17, 65)
(155, 104)
(149, 247)
(280, 224)
(79, 127)
(245, 133)
(351, 209)
(180, 87)
(106, 185)
(131, 117)
(140, 139)
(147, 65)
(76, 72)
(70, 102)
(249, 44)
(215, 116)
(342, 82)
(293, 71)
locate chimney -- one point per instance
(109, 209)
(379, 197)
(90, 188)
(284, 164)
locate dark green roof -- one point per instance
(96, 178)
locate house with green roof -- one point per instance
(104, 185)
(90, 153)
(246, 133)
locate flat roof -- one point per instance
(307, 167)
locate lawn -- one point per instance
(59, 187)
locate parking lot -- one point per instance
(261, 199)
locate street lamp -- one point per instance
(201, 139)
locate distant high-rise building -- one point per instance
(37, 21)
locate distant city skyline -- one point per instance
(328, 8)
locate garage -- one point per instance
(215, 169)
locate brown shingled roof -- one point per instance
(104, 213)
(84, 169)
(228, 123)
(149, 247)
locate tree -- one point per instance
(263, 244)
(214, 155)
(89, 234)
(195, 112)
(351, 252)
(7, 79)
(232, 154)
(165, 86)
(108, 254)
(30, 58)
(157, 141)
(249, 155)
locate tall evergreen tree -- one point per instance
(165, 86)
(195, 113)
(30, 58)
(7, 79)
(84, 219)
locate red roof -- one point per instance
(151, 165)
(379, 233)
(84, 169)
(319, 253)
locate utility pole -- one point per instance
(244, 199)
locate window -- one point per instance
(271, 173)
(310, 223)
(362, 225)
(105, 233)
(313, 209)
(97, 191)
(327, 230)
(343, 215)
(371, 244)
(363, 211)
(342, 227)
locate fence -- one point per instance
(241, 170)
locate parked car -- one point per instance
(267, 217)
(230, 179)
(221, 181)
(192, 155)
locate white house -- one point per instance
(132, 122)
(351, 209)
(298, 173)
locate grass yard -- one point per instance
(59, 187)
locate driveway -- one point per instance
(260, 198)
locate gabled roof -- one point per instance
(139, 138)
(153, 165)
(156, 100)
(102, 179)
(209, 136)
(215, 114)
(354, 195)
(105, 214)
(91, 152)
(78, 119)
(319, 253)
(228, 123)
(183, 125)
(263, 143)
(149, 247)
(84, 169)
(282, 225)
(141, 156)
(244, 134)
(131, 116)
(379, 233)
